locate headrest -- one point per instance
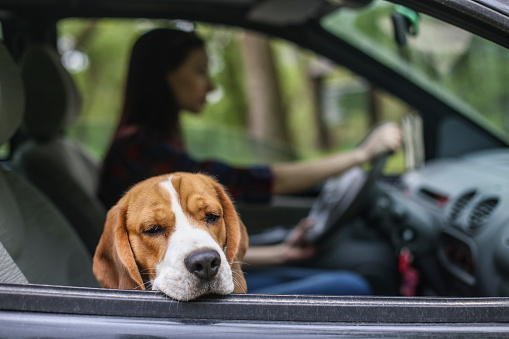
(52, 98)
(11, 96)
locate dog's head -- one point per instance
(179, 234)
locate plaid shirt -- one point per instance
(142, 154)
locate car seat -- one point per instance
(33, 232)
(59, 166)
(9, 271)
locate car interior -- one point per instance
(447, 210)
(57, 165)
(34, 232)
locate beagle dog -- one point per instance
(178, 234)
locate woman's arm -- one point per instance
(294, 248)
(296, 177)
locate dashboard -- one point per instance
(453, 215)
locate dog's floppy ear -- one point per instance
(236, 239)
(114, 264)
(240, 285)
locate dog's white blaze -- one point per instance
(172, 276)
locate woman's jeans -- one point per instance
(298, 280)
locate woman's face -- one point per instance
(190, 82)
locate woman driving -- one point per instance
(168, 74)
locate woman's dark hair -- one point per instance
(148, 102)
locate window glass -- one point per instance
(4, 151)
(326, 107)
(467, 71)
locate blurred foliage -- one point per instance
(462, 69)
(220, 131)
(484, 64)
(107, 45)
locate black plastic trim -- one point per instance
(252, 307)
(487, 18)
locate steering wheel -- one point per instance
(341, 197)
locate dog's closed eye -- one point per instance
(154, 230)
(211, 218)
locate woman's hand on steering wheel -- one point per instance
(385, 138)
(342, 196)
(296, 246)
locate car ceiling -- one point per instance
(488, 18)
(273, 12)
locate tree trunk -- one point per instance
(267, 116)
(374, 105)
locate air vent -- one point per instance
(481, 212)
(460, 204)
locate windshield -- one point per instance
(465, 70)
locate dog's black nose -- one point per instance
(203, 264)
